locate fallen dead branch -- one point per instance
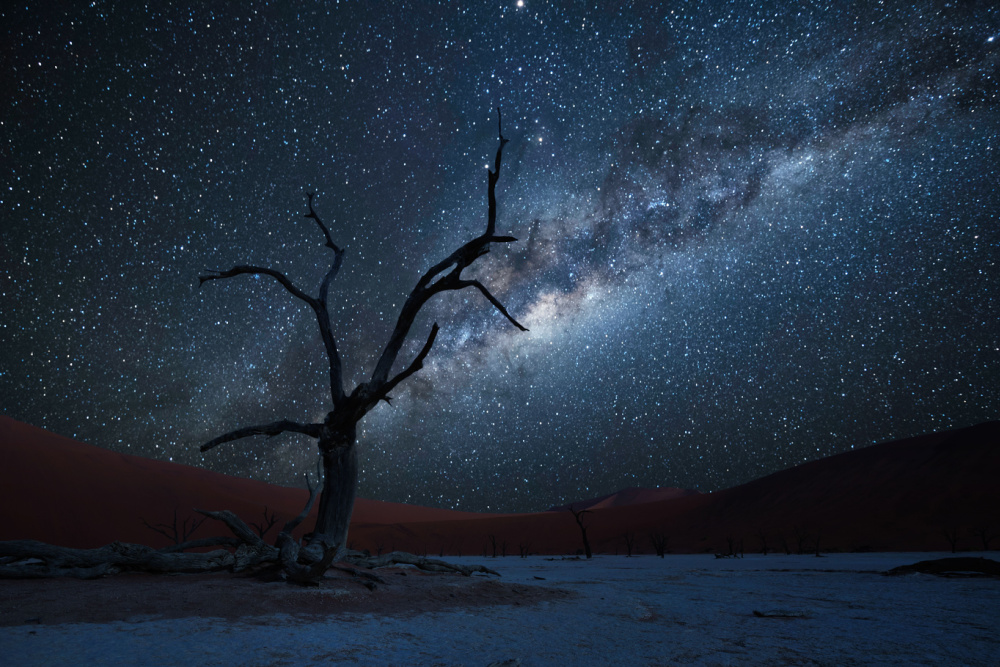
(245, 551)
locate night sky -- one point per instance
(750, 234)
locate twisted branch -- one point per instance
(492, 299)
(258, 270)
(269, 430)
(319, 306)
(326, 232)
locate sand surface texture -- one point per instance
(778, 609)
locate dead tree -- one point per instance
(659, 540)
(629, 538)
(337, 434)
(578, 515)
(762, 536)
(801, 538)
(176, 533)
(985, 534)
(266, 524)
(951, 534)
(735, 548)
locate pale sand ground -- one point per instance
(838, 610)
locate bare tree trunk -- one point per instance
(336, 503)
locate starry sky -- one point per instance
(750, 234)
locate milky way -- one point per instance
(750, 234)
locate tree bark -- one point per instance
(336, 502)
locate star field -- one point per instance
(750, 234)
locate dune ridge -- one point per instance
(895, 496)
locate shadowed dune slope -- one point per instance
(895, 496)
(61, 491)
(899, 495)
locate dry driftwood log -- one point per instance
(27, 559)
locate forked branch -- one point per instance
(178, 534)
(416, 365)
(266, 523)
(318, 305)
(492, 299)
(338, 255)
(433, 282)
(326, 232)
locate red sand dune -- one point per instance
(894, 496)
(58, 490)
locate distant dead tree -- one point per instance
(266, 524)
(629, 538)
(659, 540)
(735, 547)
(174, 532)
(523, 548)
(985, 534)
(578, 515)
(762, 536)
(801, 538)
(951, 534)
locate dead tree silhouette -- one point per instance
(336, 435)
(578, 515)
